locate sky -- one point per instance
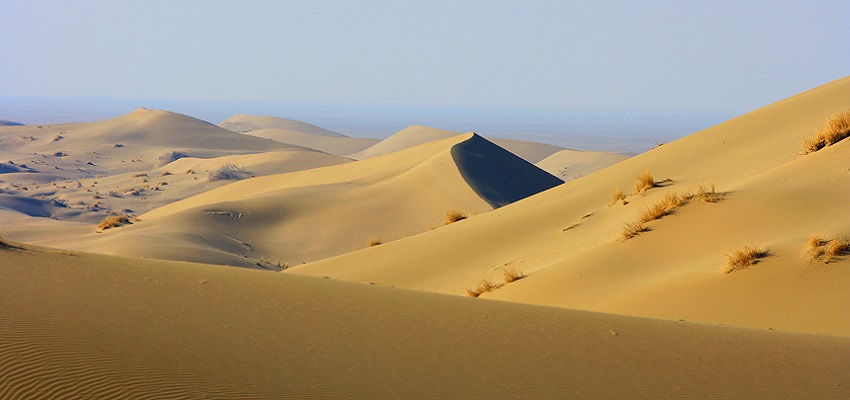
(731, 56)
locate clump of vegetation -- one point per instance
(663, 207)
(632, 229)
(826, 250)
(114, 221)
(708, 194)
(837, 128)
(454, 216)
(512, 274)
(742, 258)
(618, 195)
(228, 172)
(170, 156)
(374, 241)
(483, 286)
(644, 182)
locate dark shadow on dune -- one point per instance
(497, 175)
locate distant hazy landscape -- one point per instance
(625, 131)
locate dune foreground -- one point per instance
(77, 325)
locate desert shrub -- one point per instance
(837, 128)
(835, 248)
(375, 241)
(742, 258)
(708, 194)
(814, 244)
(618, 195)
(512, 274)
(170, 156)
(644, 182)
(454, 216)
(113, 221)
(662, 207)
(483, 286)
(228, 172)
(632, 229)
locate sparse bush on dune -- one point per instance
(483, 286)
(618, 195)
(662, 207)
(742, 258)
(228, 172)
(170, 156)
(632, 229)
(837, 128)
(644, 182)
(374, 241)
(454, 216)
(512, 274)
(708, 194)
(113, 221)
(826, 250)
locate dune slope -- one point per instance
(309, 215)
(298, 133)
(568, 240)
(89, 326)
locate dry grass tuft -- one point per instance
(814, 243)
(113, 222)
(708, 194)
(632, 229)
(454, 216)
(644, 182)
(374, 241)
(836, 129)
(483, 286)
(512, 274)
(743, 258)
(618, 195)
(664, 206)
(836, 247)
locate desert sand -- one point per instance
(278, 259)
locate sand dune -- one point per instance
(247, 123)
(573, 164)
(88, 326)
(304, 216)
(298, 133)
(416, 134)
(9, 123)
(568, 240)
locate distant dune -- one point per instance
(573, 164)
(9, 123)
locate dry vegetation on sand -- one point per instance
(644, 182)
(666, 206)
(454, 216)
(512, 274)
(483, 286)
(837, 128)
(374, 241)
(742, 258)
(113, 221)
(825, 250)
(618, 195)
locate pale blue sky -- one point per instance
(712, 55)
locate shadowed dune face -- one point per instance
(487, 168)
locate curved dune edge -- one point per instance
(81, 325)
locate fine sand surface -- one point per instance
(567, 240)
(88, 326)
(279, 220)
(573, 164)
(299, 133)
